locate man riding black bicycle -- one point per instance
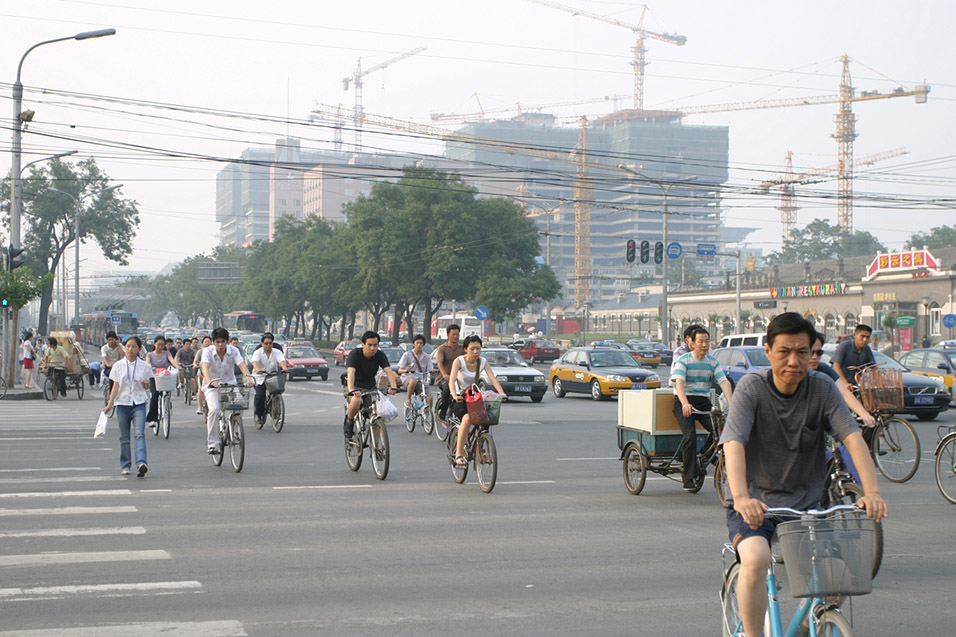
(266, 360)
(362, 366)
(774, 446)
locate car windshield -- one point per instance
(613, 358)
(302, 352)
(885, 362)
(392, 354)
(504, 358)
(757, 357)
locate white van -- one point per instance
(734, 340)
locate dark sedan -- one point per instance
(666, 353)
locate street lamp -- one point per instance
(665, 189)
(19, 119)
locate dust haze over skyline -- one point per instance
(267, 63)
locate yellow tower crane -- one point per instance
(640, 33)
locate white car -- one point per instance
(517, 378)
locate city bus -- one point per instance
(247, 321)
(469, 326)
(95, 326)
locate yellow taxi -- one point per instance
(599, 371)
(933, 362)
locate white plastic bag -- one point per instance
(101, 425)
(387, 411)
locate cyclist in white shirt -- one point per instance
(266, 360)
(219, 364)
(414, 367)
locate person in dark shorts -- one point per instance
(774, 447)
(362, 365)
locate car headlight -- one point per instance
(653, 378)
(504, 379)
(614, 378)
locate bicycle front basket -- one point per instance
(881, 389)
(275, 384)
(493, 407)
(233, 398)
(829, 556)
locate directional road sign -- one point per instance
(706, 249)
(674, 250)
(482, 313)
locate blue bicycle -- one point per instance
(829, 556)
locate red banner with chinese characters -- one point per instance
(902, 261)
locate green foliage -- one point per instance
(22, 286)
(820, 240)
(938, 237)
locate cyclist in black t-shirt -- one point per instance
(362, 365)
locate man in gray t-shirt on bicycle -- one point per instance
(774, 446)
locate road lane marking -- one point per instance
(46, 559)
(52, 469)
(65, 494)
(70, 479)
(226, 628)
(68, 511)
(156, 491)
(528, 482)
(116, 530)
(327, 486)
(46, 438)
(113, 590)
(575, 459)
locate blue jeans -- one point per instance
(134, 415)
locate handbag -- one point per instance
(475, 403)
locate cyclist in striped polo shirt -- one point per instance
(694, 373)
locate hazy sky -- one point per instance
(269, 59)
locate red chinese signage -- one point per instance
(902, 261)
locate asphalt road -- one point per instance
(297, 544)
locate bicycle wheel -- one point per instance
(106, 399)
(851, 493)
(428, 420)
(223, 440)
(635, 469)
(167, 414)
(3, 387)
(946, 467)
(49, 389)
(832, 623)
(720, 480)
(353, 447)
(442, 428)
(278, 413)
(379, 448)
(411, 414)
(732, 623)
(895, 449)
(80, 388)
(237, 444)
(458, 472)
(486, 461)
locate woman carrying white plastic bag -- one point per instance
(130, 377)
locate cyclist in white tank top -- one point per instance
(465, 372)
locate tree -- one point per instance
(21, 286)
(53, 194)
(938, 237)
(860, 244)
(820, 240)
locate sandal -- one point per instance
(461, 461)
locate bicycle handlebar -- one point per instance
(812, 512)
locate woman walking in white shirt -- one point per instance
(131, 376)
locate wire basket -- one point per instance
(189, 372)
(829, 556)
(166, 382)
(881, 389)
(233, 398)
(493, 407)
(275, 384)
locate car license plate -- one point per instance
(313, 370)
(639, 386)
(523, 388)
(923, 400)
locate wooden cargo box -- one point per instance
(651, 410)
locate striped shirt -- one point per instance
(698, 374)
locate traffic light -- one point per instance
(645, 251)
(659, 252)
(4, 302)
(631, 250)
(13, 258)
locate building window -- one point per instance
(283, 202)
(935, 321)
(348, 192)
(298, 202)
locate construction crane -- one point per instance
(640, 33)
(786, 182)
(357, 79)
(517, 106)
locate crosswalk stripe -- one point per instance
(116, 530)
(44, 559)
(68, 511)
(111, 590)
(51, 469)
(227, 628)
(65, 494)
(35, 438)
(33, 480)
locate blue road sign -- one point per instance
(674, 250)
(482, 312)
(116, 320)
(949, 320)
(706, 249)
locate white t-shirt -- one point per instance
(268, 363)
(221, 369)
(417, 366)
(129, 376)
(27, 351)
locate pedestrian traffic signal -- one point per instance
(4, 302)
(631, 250)
(659, 252)
(13, 258)
(645, 251)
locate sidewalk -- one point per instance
(19, 393)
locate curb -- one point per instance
(23, 395)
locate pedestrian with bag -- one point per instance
(130, 377)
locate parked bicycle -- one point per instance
(828, 557)
(946, 462)
(419, 411)
(233, 400)
(275, 404)
(370, 433)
